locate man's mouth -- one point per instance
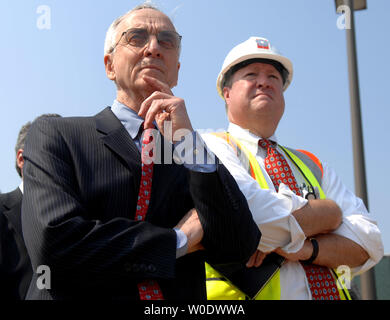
(152, 67)
(263, 94)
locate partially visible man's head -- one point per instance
(142, 42)
(19, 147)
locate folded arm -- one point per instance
(221, 221)
(318, 216)
(356, 242)
(334, 250)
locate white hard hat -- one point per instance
(254, 47)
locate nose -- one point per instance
(153, 48)
(263, 81)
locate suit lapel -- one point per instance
(13, 209)
(117, 138)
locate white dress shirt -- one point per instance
(272, 211)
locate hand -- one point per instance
(303, 254)
(256, 259)
(193, 229)
(163, 106)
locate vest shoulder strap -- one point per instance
(311, 161)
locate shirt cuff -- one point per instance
(181, 243)
(297, 235)
(193, 153)
(297, 202)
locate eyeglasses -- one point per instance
(138, 37)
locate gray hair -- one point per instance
(22, 136)
(109, 42)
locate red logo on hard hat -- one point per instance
(262, 44)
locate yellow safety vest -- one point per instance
(217, 286)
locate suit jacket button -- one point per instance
(151, 268)
(143, 267)
(128, 267)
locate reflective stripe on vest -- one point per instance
(217, 286)
(303, 163)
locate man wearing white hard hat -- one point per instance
(305, 252)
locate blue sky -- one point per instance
(61, 70)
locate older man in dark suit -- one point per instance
(89, 213)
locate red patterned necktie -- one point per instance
(148, 289)
(321, 282)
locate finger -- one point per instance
(156, 108)
(251, 260)
(148, 101)
(160, 103)
(259, 259)
(193, 212)
(201, 247)
(195, 248)
(160, 119)
(158, 85)
(145, 105)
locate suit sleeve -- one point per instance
(230, 232)
(58, 229)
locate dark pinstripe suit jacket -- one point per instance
(81, 178)
(15, 265)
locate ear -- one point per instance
(226, 93)
(178, 66)
(109, 65)
(20, 160)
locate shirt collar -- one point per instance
(128, 117)
(21, 186)
(250, 140)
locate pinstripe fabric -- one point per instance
(15, 265)
(81, 179)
